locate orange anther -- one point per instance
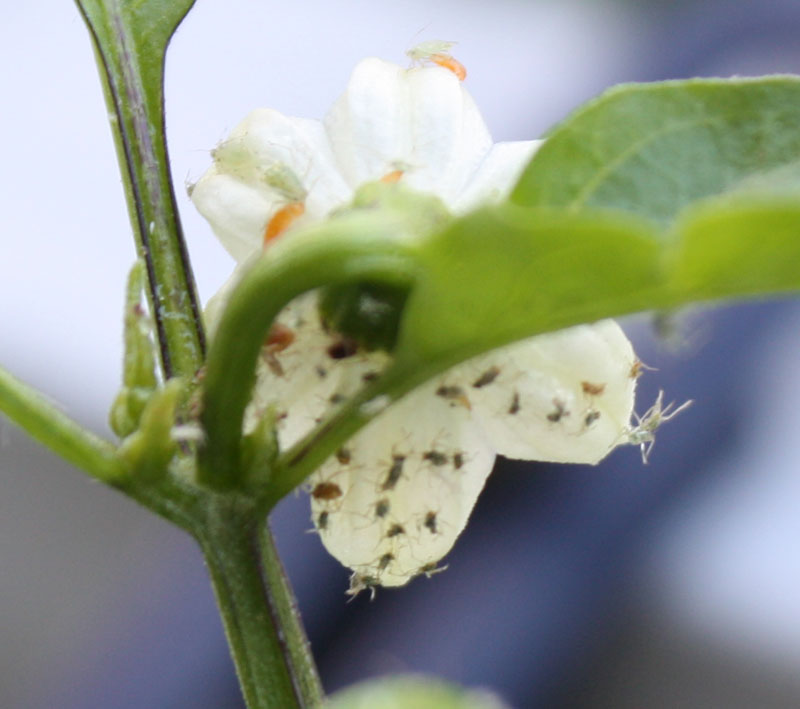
(282, 220)
(391, 177)
(448, 62)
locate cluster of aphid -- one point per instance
(391, 507)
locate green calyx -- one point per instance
(368, 314)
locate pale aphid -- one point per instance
(437, 52)
(284, 180)
(644, 433)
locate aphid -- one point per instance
(361, 582)
(458, 460)
(385, 560)
(382, 507)
(643, 434)
(637, 367)
(369, 376)
(435, 457)
(392, 177)
(283, 180)
(486, 378)
(395, 531)
(344, 456)
(514, 407)
(279, 337)
(343, 348)
(394, 472)
(454, 394)
(282, 220)
(321, 372)
(592, 389)
(559, 412)
(326, 491)
(336, 398)
(591, 416)
(431, 568)
(437, 51)
(430, 522)
(322, 520)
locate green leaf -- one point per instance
(412, 691)
(653, 149)
(130, 39)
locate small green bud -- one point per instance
(370, 313)
(138, 366)
(149, 450)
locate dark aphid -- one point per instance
(430, 521)
(486, 378)
(458, 460)
(322, 520)
(382, 508)
(369, 376)
(591, 417)
(279, 338)
(514, 408)
(394, 472)
(395, 531)
(385, 560)
(454, 394)
(592, 389)
(336, 398)
(321, 372)
(343, 348)
(435, 457)
(362, 582)
(431, 568)
(343, 456)
(326, 491)
(559, 412)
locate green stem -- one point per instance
(266, 639)
(136, 104)
(54, 429)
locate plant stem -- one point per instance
(267, 642)
(54, 429)
(131, 75)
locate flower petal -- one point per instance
(268, 161)
(401, 490)
(563, 397)
(497, 174)
(420, 121)
(237, 212)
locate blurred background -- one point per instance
(671, 584)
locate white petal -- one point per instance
(240, 194)
(369, 124)
(563, 397)
(300, 144)
(303, 382)
(449, 135)
(421, 121)
(238, 213)
(408, 482)
(497, 174)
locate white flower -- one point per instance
(392, 501)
